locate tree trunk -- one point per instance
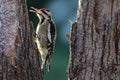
(95, 41)
(18, 54)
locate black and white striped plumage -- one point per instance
(45, 35)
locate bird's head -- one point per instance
(42, 13)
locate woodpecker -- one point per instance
(45, 35)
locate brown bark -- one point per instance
(95, 41)
(17, 49)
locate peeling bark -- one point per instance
(95, 41)
(18, 55)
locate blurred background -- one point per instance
(62, 12)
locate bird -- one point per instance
(45, 35)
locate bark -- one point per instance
(18, 54)
(95, 41)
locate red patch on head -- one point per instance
(43, 8)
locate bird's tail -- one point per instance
(44, 65)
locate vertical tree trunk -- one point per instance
(95, 41)
(18, 56)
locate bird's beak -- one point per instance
(34, 10)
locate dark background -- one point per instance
(62, 12)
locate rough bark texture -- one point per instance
(95, 41)
(18, 56)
